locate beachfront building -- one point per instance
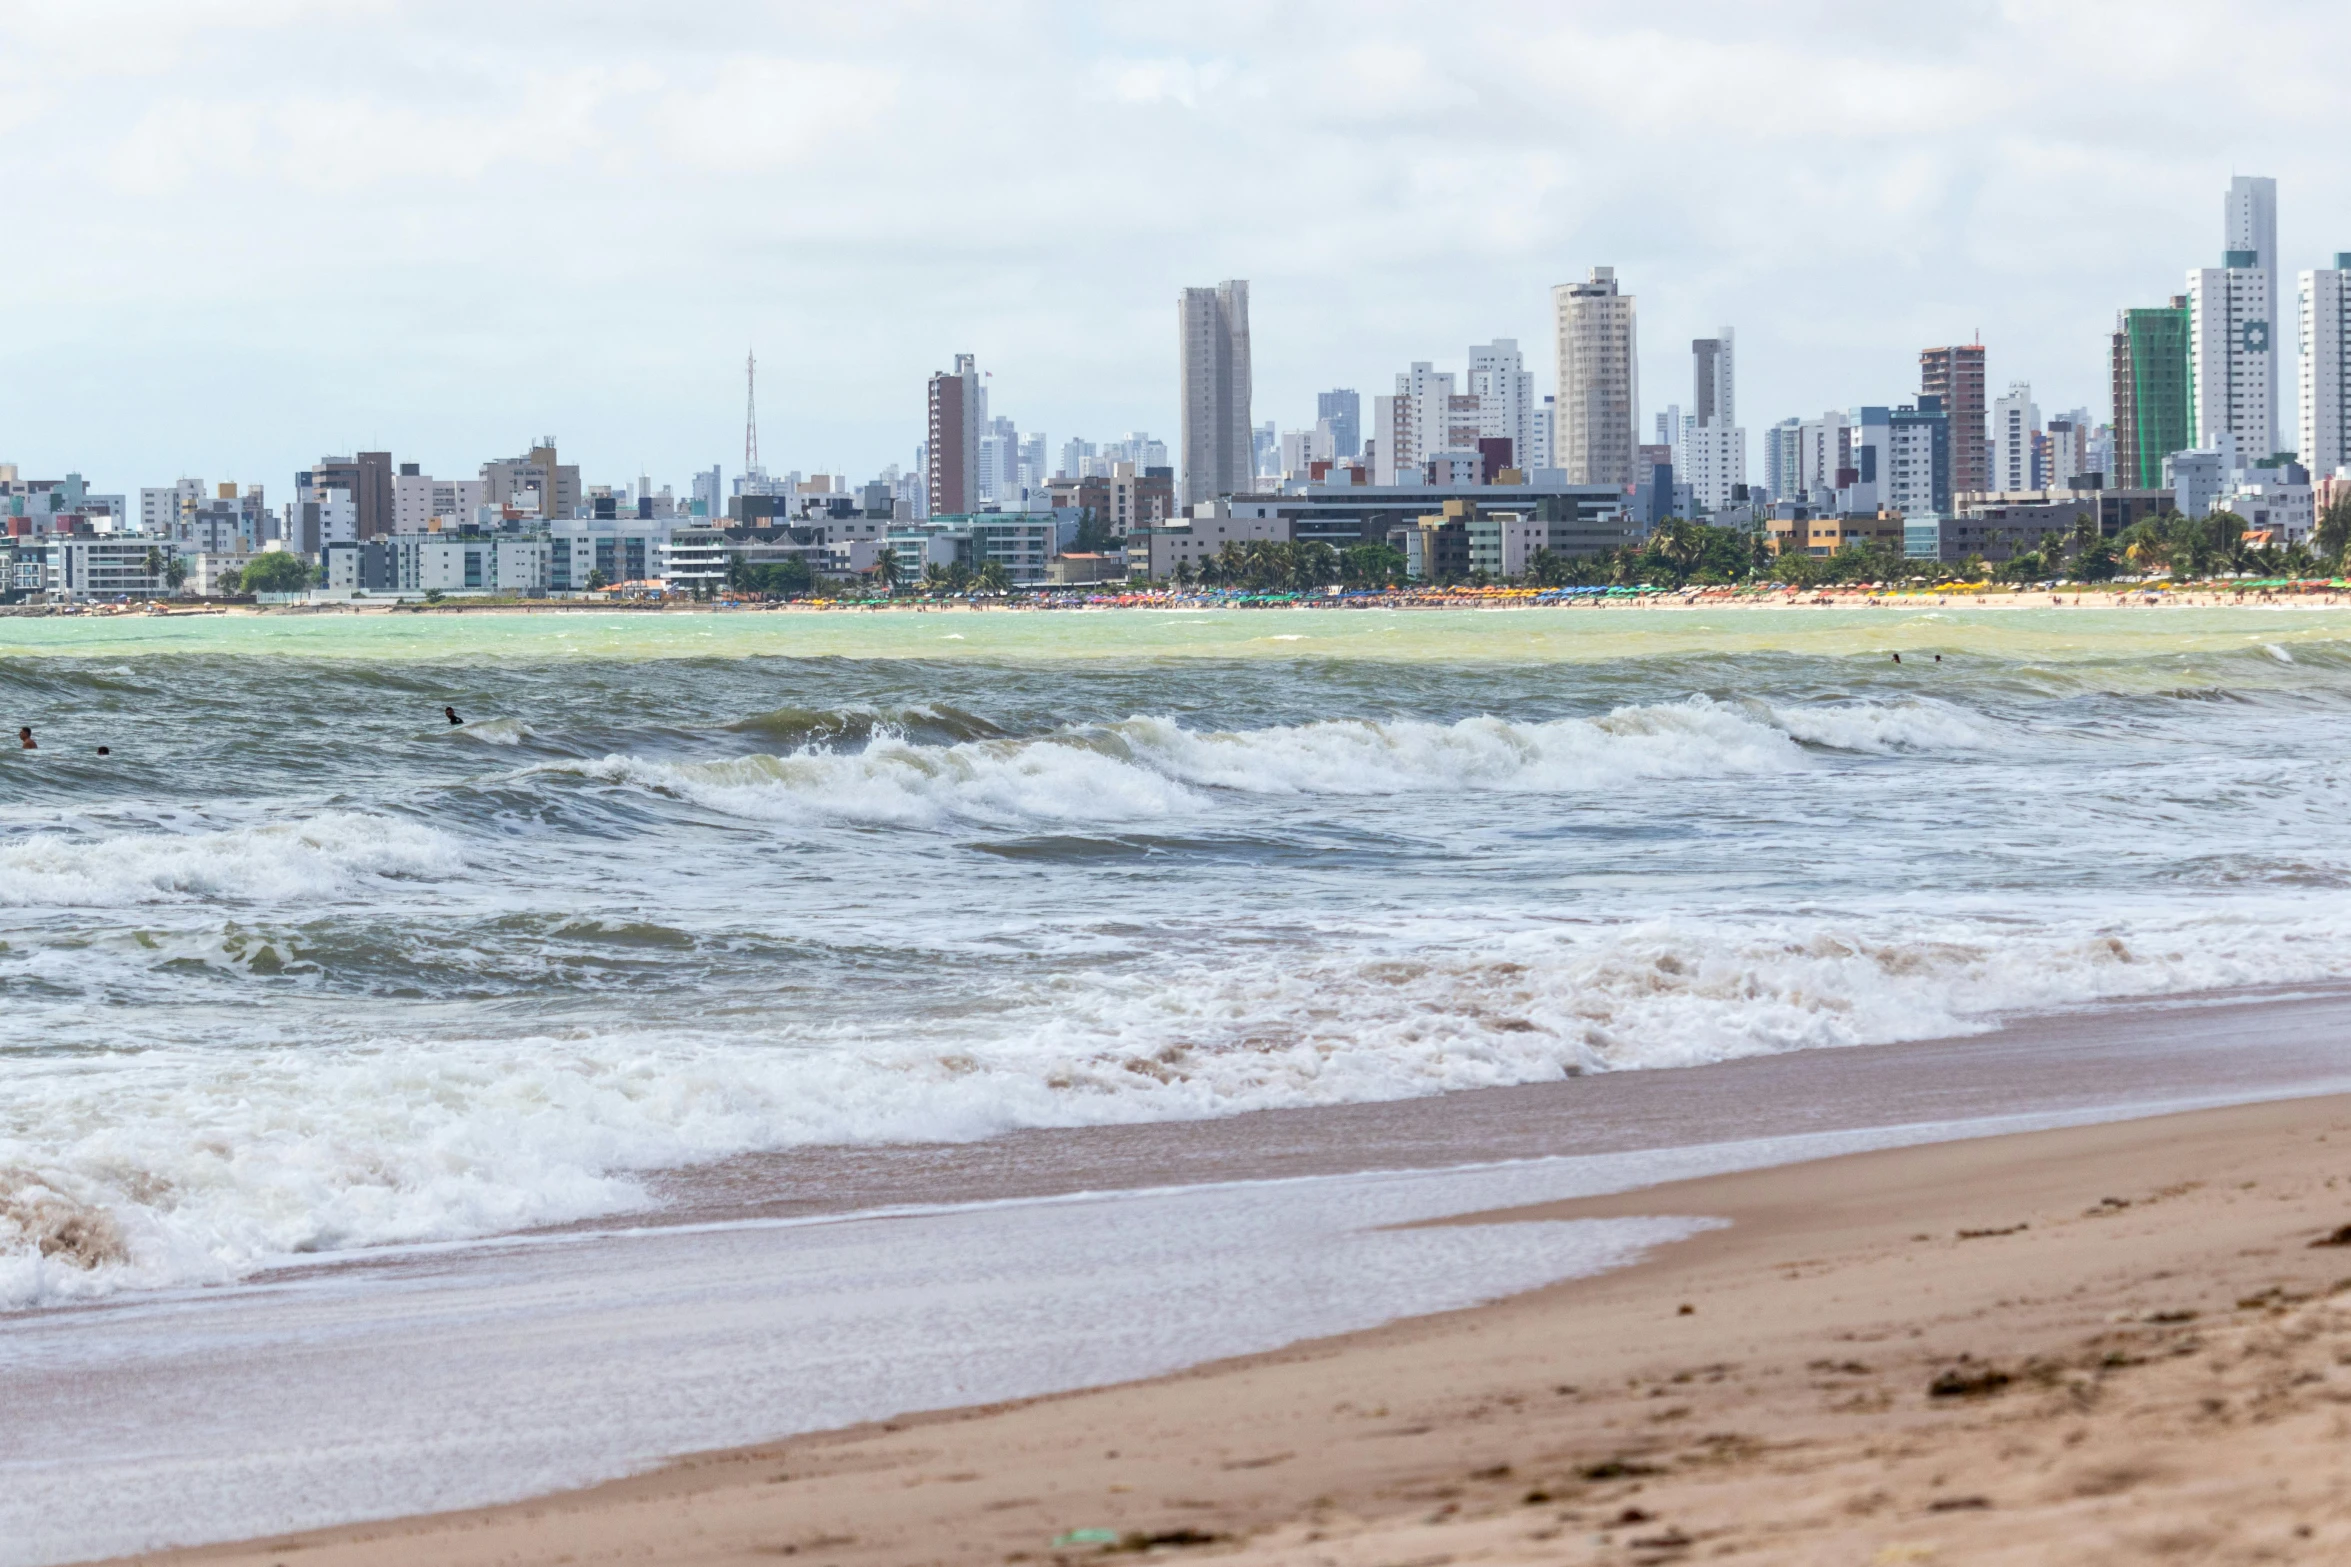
(1212, 346)
(1579, 519)
(2326, 366)
(74, 568)
(1598, 412)
(451, 562)
(604, 551)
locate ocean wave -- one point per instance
(1148, 767)
(321, 855)
(186, 1166)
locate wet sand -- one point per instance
(2107, 1343)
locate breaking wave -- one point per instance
(328, 853)
(219, 1164)
(1146, 768)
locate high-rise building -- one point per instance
(958, 406)
(1714, 447)
(1265, 450)
(1505, 393)
(1598, 415)
(1212, 327)
(1954, 376)
(1344, 409)
(2153, 414)
(1783, 460)
(2015, 421)
(1711, 370)
(2326, 367)
(1918, 459)
(2232, 325)
(2232, 359)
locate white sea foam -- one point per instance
(327, 853)
(1147, 768)
(193, 1164)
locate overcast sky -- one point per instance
(244, 233)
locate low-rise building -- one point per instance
(1502, 543)
(504, 564)
(1188, 542)
(73, 568)
(1826, 535)
(586, 552)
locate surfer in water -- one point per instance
(452, 712)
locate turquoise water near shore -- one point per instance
(301, 967)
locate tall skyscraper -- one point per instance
(2016, 420)
(1714, 447)
(1212, 326)
(957, 408)
(2152, 413)
(2232, 324)
(2326, 368)
(1599, 379)
(1955, 376)
(1344, 409)
(1711, 367)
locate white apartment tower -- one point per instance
(1212, 326)
(1599, 380)
(1714, 448)
(2015, 421)
(2326, 368)
(2232, 315)
(1505, 390)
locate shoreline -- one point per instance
(2068, 1278)
(2147, 595)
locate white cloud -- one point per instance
(440, 226)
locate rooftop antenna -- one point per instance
(750, 412)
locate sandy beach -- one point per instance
(2107, 1343)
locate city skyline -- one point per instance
(510, 226)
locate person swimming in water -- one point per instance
(24, 738)
(452, 712)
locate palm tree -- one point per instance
(2333, 533)
(888, 569)
(993, 578)
(934, 577)
(1681, 542)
